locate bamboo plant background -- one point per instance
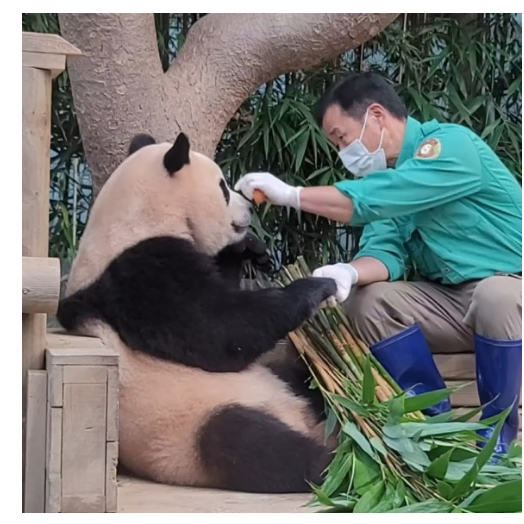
(458, 68)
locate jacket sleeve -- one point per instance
(384, 241)
(419, 183)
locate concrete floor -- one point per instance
(142, 496)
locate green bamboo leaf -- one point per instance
(396, 410)
(426, 400)
(400, 495)
(377, 444)
(411, 452)
(443, 417)
(469, 415)
(331, 422)
(394, 431)
(387, 501)
(515, 450)
(444, 489)
(367, 472)
(295, 136)
(428, 506)
(368, 384)
(515, 86)
(439, 466)
(350, 404)
(322, 497)
(301, 150)
(352, 431)
(443, 428)
(370, 499)
(504, 498)
(488, 449)
(335, 479)
(266, 140)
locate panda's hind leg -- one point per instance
(246, 449)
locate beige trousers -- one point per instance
(448, 316)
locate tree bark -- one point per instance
(120, 89)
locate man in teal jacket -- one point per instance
(439, 198)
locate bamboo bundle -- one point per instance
(391, 458)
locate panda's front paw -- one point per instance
(256, 251)
(309, 293)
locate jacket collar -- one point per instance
(410, 141)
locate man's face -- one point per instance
(342, 129)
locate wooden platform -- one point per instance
(142, 496)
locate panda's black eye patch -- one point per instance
(225, 190)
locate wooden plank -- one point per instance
(83, 504)
(94, 356)
(47, 43)
(53, 460)
(143, 496)
(36, 139)
(35, 448)
(59, 338)
(111, 486)
(85, 374)
(40, 284)
(55, 381)
(52, 64)
(63, 348)
(112, 403)
(458, 366)
(84, 443)
(467, 395)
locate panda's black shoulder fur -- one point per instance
(166, 299)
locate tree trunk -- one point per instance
(120, 89)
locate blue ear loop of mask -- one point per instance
(358, 160)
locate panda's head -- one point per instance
(160, 189)
(186, 191)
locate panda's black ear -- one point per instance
(140, 141)
(178, 156)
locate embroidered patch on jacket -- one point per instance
(430, 148)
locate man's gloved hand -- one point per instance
(256, 252)
(345, 276)
(276, 191)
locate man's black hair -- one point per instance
(356, 92)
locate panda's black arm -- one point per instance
(229, 262)
(252, 322)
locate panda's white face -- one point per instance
(219, 216)
(160, 189)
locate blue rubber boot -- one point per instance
(407, 358)
(499, 381)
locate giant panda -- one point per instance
(197, 408)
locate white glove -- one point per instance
(276, 191)
(345, 276)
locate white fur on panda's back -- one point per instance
(163, 405)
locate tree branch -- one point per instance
(231, 55)
(119, 87)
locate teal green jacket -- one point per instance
(449, 205)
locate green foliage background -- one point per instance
(443, 68)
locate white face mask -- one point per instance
(358, 160)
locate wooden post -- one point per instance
(40, 284)
(82, 422)
(43, 57)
